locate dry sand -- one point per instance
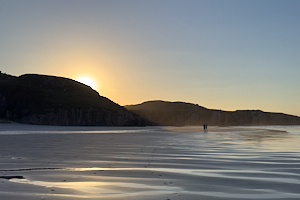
(147, 163)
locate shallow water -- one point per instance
(151, 163)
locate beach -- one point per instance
(168, 163)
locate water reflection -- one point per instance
(98, 188)
(233, 164)
(115, 186)
(263, 135)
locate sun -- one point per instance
(87, 81)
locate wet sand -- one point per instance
(44, 162)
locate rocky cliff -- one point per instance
(50, 100)
(180, 114)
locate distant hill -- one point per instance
(179, 114)
(50, 100)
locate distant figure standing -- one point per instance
(205, 127)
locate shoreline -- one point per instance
(148, 163)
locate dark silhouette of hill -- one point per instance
(50, 100)
(179, 114)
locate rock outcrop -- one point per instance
(180, 114)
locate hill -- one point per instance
(50, 100)
(179, 114)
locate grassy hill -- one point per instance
(51, 100)
(38, 97)
(181, 113)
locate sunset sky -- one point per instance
(225, 54)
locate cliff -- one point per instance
(50, 100)
(180, 114)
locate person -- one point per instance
(204, 127)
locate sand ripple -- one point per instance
(152, 164)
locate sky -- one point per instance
(220, 54)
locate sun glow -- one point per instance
(87, 81)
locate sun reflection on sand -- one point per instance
(141, 186)
(153, 163)
(100, 188)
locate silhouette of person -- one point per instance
(204, 127)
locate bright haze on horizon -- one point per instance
(228, 55)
